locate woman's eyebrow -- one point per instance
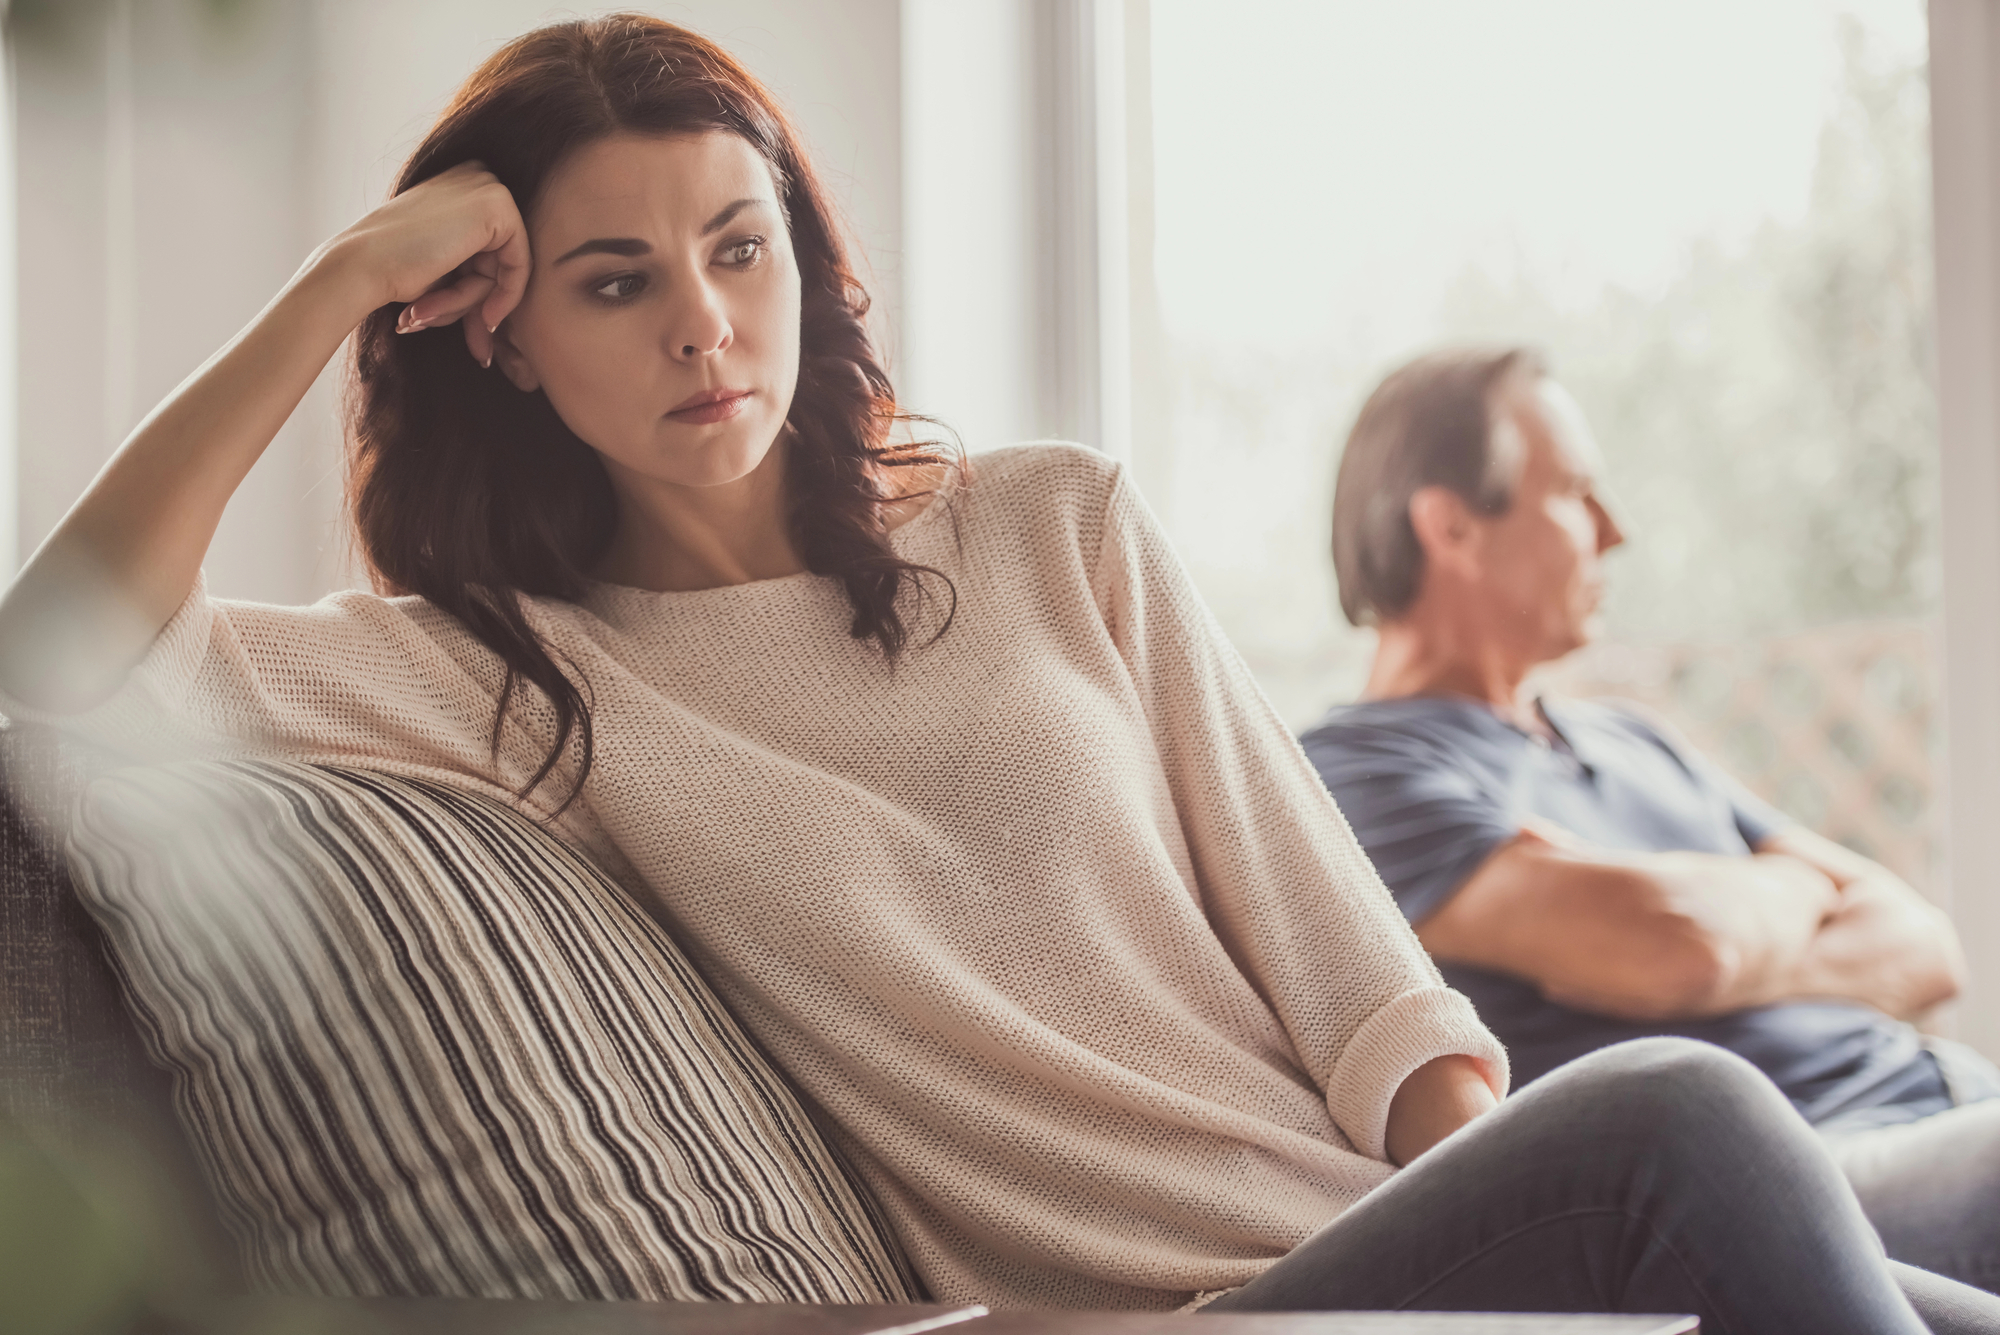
(632, 245)
(609, 245)
(721, 220)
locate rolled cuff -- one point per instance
(144, 718)
(1415, 1028)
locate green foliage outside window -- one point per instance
(1770, 422)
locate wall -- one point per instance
(1027, 151)
(178, 161)
(160, 206)
(1965, 121)
(971, 189)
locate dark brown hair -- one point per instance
(471, 493)
(1428, 424)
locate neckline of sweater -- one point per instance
(599, 592)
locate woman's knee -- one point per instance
(1675, 1087)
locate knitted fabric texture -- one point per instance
(1051, 919)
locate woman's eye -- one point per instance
(621, 288)
(744, 253)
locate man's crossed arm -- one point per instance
(1661, 936)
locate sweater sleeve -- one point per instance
(1282, 879)
(353, 678)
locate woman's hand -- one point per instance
(1437, 1099)
(453, 247)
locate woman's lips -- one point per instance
(715, 405)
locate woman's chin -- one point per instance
(723, 459)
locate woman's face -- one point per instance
(662, 313)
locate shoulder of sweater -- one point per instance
(341, 604)
(337, 600)
(1053, 468)
(373, 617)
(361, 605)
(1042, 497)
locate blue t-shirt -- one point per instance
(1432, 785)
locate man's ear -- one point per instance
(512, 364)
(1446, 529)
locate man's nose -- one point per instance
(1609, 535)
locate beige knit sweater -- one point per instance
(1052, 920)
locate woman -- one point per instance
(958, 795)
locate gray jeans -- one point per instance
(1931, 1185)
(1661, 1175)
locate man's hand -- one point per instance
(1885, 944)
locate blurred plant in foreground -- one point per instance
(76, 1252)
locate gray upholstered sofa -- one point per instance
(76, 1086)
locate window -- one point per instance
(1713, 217)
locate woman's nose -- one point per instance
(699, 326)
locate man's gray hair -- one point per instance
(1428, 424)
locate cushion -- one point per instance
(426, 1049)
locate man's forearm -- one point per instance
(1670, 936)
(1717, 934)
(1763, 918)
(1651, 936)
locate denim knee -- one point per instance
(1671, 1089)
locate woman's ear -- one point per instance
(513, 364)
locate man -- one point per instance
(1582, 874)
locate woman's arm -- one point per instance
(91, 600)
(1278, 874)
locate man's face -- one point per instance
(1539, 564)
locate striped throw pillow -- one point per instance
(426, 1049)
